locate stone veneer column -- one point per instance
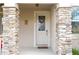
(64, 42)
(10, 30)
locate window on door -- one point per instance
(41, 23)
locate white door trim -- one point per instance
(35, 25)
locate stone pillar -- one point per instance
(10, 30)
(64, 42)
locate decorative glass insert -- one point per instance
(75, 20)
(41, 23)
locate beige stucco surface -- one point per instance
(75, 41)
(53, 29)
(26, 33)
(0, 20)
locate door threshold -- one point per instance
(42, 47)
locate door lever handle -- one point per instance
(46, 32)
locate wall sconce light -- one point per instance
(37, 5)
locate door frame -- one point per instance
(35, 26)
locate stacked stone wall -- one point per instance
(10, 30)
(64, 42)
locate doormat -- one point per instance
(42, 47)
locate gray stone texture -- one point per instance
(10, 30)
(64, 41)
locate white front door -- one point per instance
(42, 29)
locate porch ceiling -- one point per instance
(32, 6)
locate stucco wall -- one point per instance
(26, 30)
(75, 41)
(0, 20)
(53, 29)
(26, 33)
(0, 25)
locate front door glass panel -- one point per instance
(41, 23)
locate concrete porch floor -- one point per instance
(35, 51)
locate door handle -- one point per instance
(46, 32)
